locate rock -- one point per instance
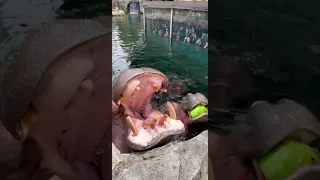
(117, 12)
(116, 156)
(176, 160)
(315, 49)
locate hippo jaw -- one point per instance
(148, 137)
(147, 126)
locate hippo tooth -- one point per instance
(163, 89)
(120, 99)
(23, 126)
(138, 88)
(132, 126)
(163, 119)
(171, 110)
(153, 122)
(155, 87)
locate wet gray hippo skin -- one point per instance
(269, 124)
(266, 125)
(131, 94)
(57, 136)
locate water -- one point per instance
(17, 17)
(185, 62)
(281, 32)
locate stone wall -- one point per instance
(122, 4)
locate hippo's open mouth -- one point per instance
(147, 126)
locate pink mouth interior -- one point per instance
(147, 134)
(149, 122)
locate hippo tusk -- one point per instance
(171, 110)
(132, 126)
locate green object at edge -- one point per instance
(286, 158)
(198, 111)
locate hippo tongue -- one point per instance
(147, 126)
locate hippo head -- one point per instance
(27, 76)
(148, 126)
(54, 65)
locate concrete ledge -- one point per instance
(196, 6)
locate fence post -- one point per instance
(171, 19)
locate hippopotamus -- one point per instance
(131, 94)
(54, 103)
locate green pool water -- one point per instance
(182, 61)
